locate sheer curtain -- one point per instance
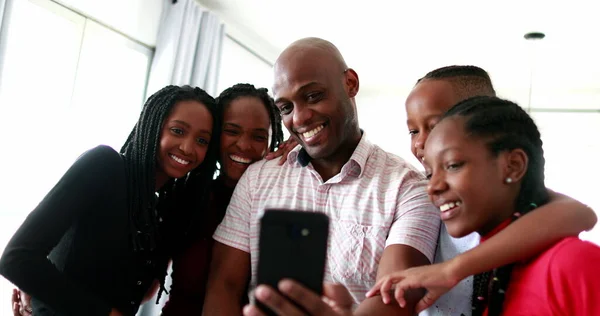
(3, 5)
(188, 52)
(188, 48)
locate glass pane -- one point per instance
(35, 92)
(41, 48)
(36, 84)
(67, 85)
(238, 65)
(109, 90)
(41, 58)
(571, 151)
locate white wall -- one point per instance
(138, 19)
(383, 117)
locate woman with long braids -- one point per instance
(251, 127)
(105, 233)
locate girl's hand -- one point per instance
(21, 303)
(283, 150)
(437, 279)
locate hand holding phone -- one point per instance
(292, 245)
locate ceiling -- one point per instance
(392, 43)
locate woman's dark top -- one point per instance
(191, 266)
(73, 254)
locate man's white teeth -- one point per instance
(313, 132)
(449, 206)
(240, 159)
(179, 160)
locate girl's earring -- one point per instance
(508, 180)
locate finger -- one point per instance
(274, 154)
(384, 290)
(338, 295)
(283, 159)
(275, 301)
(15, 308)
(401, 288)
(375, 289)
(15, 296)
(399, 295)
(285, 150)
(27, 310)
(304, 297)
(251, 310)
(426, 301)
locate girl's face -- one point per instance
(467, 182)
(425, 105)
(245, 136)
(184, 139)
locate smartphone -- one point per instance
(292, 245)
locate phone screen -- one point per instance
(292, 245)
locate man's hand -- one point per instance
(336, 300)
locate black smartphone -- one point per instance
(292, 245)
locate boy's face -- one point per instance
(425, 105)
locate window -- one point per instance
(239, 65)
(67, 84)
(110, 88)
(571, 151)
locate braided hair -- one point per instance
(505, 126)
(247, 90)
(467, 81)
(149, 208)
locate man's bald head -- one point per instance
(314, 90)
(312, 47)
(309, 54)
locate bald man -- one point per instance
(381, 219)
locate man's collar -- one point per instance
(359, 156)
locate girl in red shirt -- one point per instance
(486, 167)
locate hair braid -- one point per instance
(152, 222)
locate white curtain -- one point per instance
(2, 5)
(188, 48)
(3, 31)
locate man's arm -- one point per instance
(394, 258)
(229, 272)
(411, 242)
